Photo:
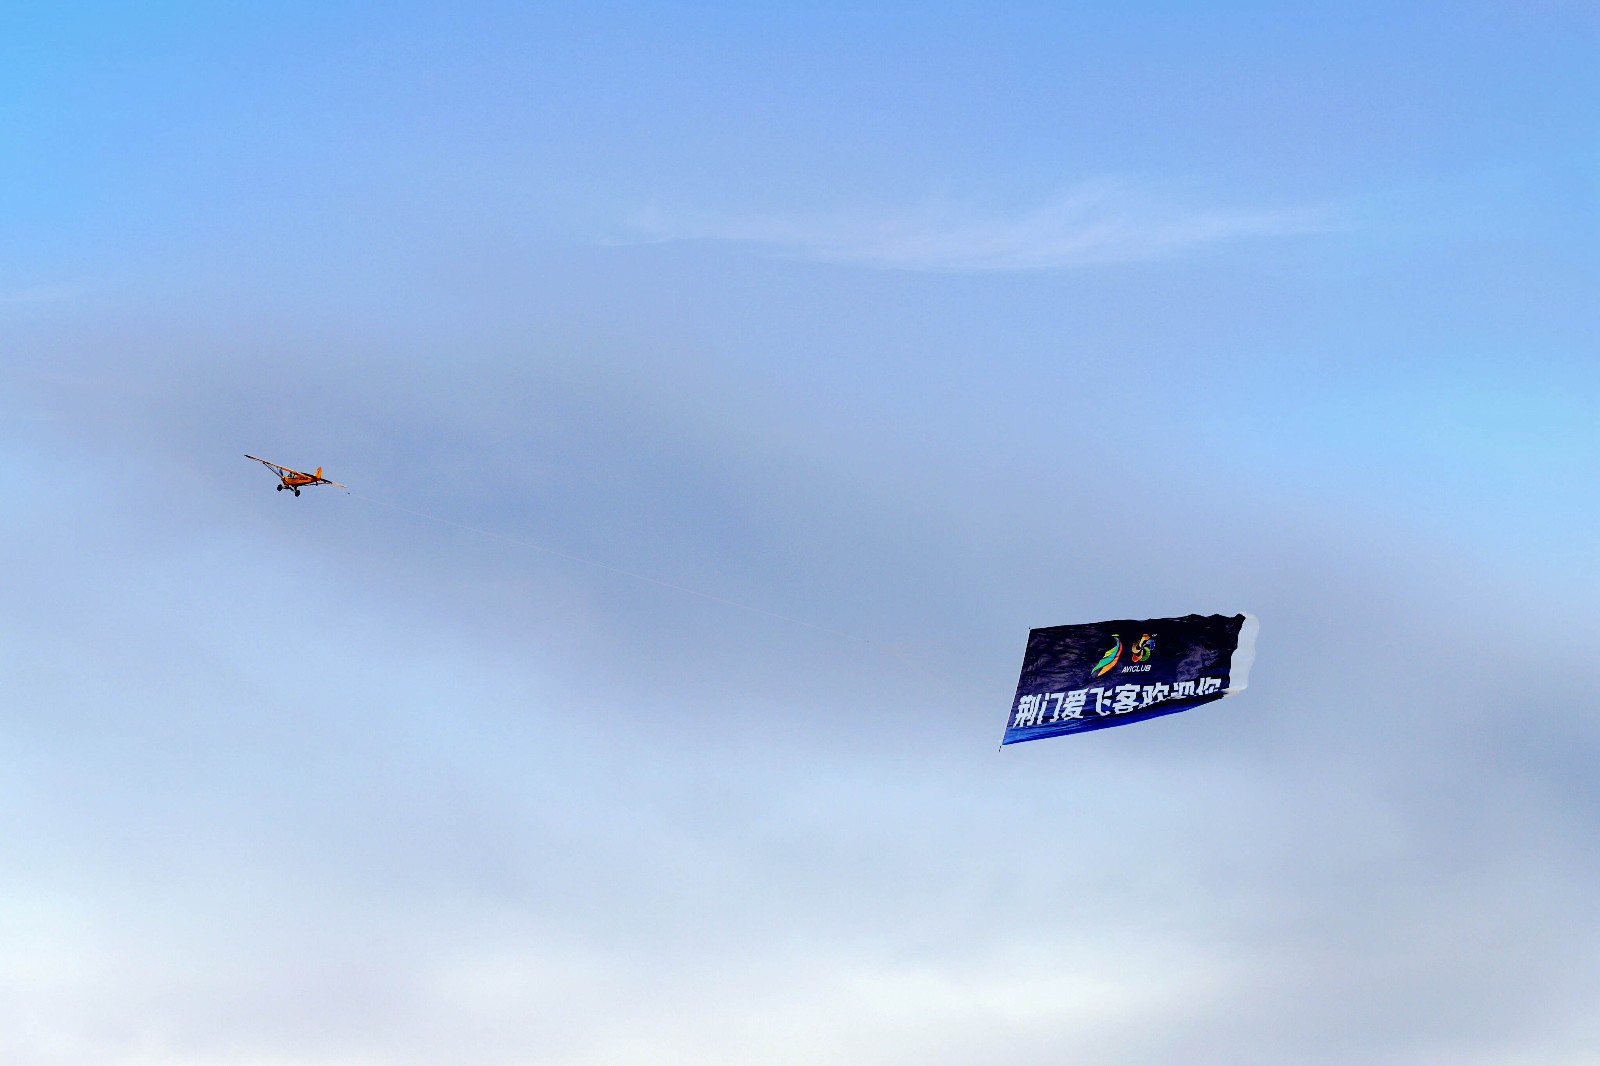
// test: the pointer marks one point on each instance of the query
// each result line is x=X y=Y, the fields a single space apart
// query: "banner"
x=1103 y=674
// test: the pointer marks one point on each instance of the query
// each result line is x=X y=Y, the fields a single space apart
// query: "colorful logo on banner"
x=1144 y=647
x=1109 y=659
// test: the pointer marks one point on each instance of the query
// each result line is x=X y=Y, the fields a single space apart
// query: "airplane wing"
x=325 y=481
x=282 y=471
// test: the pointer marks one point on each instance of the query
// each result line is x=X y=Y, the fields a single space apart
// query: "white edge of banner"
x=1244 y=654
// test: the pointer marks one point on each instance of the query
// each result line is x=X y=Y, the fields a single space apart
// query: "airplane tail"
x=319 y=472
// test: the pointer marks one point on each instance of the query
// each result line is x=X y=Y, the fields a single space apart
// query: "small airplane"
x=294 y=480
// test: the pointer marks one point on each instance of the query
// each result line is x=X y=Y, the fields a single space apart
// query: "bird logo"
x=1109 y=659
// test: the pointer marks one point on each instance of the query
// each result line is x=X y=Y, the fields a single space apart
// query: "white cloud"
x=1096 y=222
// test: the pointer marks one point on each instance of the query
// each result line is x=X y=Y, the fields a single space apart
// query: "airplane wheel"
x=280 y=488
x=297 y=492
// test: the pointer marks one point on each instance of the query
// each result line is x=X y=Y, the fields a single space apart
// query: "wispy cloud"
x=1095 y=222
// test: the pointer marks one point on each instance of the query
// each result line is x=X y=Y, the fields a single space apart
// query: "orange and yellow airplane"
x=294 y=480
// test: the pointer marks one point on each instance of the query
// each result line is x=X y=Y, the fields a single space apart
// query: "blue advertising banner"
x=1102 y=674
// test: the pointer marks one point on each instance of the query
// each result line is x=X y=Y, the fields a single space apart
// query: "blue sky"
x=909 y=326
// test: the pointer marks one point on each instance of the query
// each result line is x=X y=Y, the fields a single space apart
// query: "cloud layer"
x=1095 y=223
